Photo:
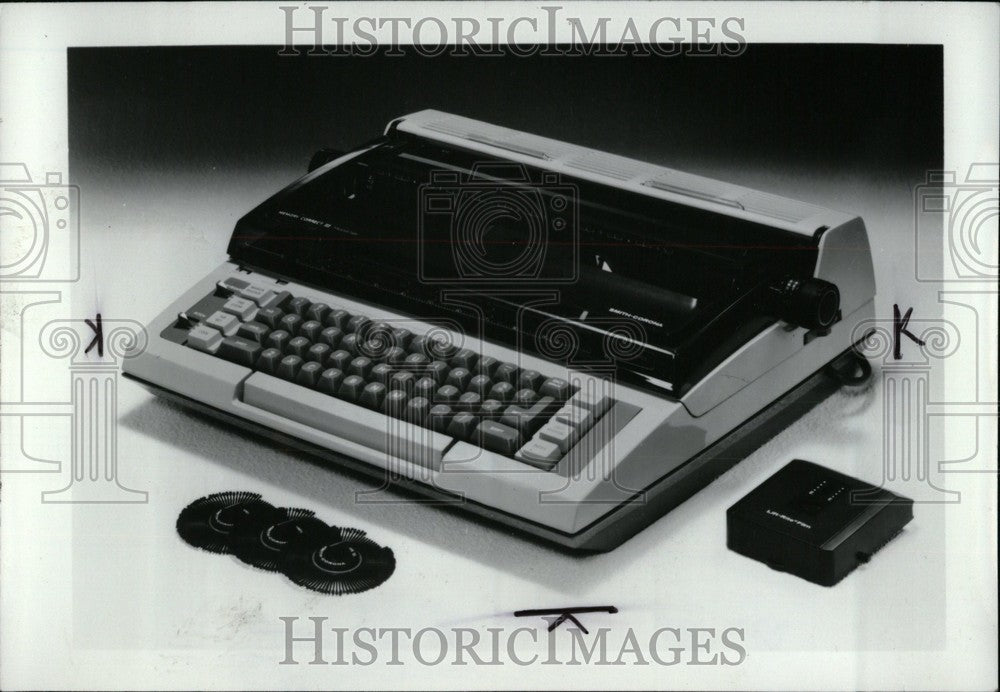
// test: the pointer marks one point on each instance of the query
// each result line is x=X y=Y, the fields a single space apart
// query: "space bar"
x=343 y=419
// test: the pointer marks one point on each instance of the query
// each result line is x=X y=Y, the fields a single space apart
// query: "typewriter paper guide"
x=665 y=267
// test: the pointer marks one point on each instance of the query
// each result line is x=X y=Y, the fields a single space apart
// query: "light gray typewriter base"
x=627 y=519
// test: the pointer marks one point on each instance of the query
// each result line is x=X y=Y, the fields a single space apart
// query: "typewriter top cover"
x=655 y=274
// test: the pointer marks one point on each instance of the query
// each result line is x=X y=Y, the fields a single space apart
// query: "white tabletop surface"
x=118 y=599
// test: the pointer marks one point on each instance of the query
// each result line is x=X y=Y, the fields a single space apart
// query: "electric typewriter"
x=558 y=339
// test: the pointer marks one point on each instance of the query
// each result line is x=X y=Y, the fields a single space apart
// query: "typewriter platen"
x=562 y=340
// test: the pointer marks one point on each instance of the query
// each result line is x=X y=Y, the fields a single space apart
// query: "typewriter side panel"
x=844 y=259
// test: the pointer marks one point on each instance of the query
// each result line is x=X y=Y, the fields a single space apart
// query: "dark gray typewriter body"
x=561 y=340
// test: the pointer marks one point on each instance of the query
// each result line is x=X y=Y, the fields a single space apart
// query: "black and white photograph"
x=443 y=345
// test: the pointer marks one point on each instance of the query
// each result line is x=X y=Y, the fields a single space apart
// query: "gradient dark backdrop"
x=172 y=145
x=849 y=109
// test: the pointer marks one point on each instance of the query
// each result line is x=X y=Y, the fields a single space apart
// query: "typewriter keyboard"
x=353 y=376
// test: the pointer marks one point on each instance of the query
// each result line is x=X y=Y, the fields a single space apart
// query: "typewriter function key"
x=338 y=318
x=297 y=306
x=204 y=339
x=276 y=300
x=339 y=359
x=291 y=323
x=298 y=346
x=241 y=307
x=309 y=374
x=331 y=336
x=330 y=380
x=278 y=339
x=318 y=353
x=311 y=330
x=506 y=372
x=575 y=417
x=559 y=434
x=381 y=373
x=464 y=358
x=224 y=322
x=270 y=316
x=288 y=368
x=498 y=437
x=373 y=395
x=254 y=331
x=231 y=285
x=351 y=387
x=317 y=312
x=462 y=425
x=268 y=360
x=258 y=294
x=540 y=453
x=596 y=403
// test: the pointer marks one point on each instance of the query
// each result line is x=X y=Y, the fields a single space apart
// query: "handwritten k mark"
x=98 y=339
